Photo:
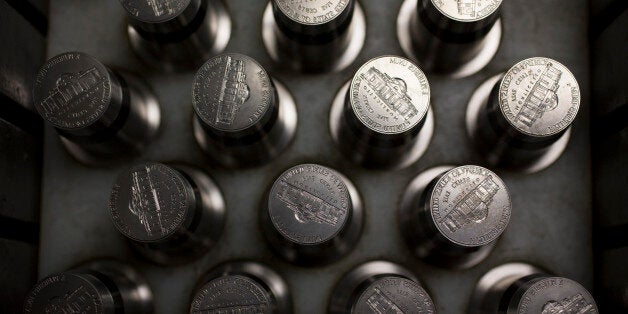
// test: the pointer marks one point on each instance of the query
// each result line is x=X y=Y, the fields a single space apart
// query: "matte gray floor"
x=551 y=221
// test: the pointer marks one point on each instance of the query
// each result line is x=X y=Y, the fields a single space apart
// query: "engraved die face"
x=394 y=294
x=539 y=97
x=309 y=204
x=467 y=10
x=232 y=294
x=389 y=95
x=232 y=92
x=312 y=12
x=72 y=90
x=64 y=293
x=556 y=295
x=154 y=11
x=149 y=202
x=470 y=205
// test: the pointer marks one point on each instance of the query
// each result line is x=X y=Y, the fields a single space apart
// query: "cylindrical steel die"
x=450 y=37
x=312 y=215
x=314 y=36
x=100 y=115
x=243 y=117
x=521 y=120
x=171 y=214
x=452 y=216
x=379 y=287
x=383 y=117
x=103 y=286
x=242 y=287
x=177 y=34
x=523 y=288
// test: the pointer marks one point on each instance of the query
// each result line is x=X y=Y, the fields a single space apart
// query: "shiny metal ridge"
x=101 y=115
x=170 y=213
x=521 y=120
x=175 y=35
x=451 y=217
x=383 y=117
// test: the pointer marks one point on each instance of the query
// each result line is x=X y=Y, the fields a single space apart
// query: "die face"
x=155 y=11
x=393 y=294
x=64 y=292
x=555 y=295
x=232 y=293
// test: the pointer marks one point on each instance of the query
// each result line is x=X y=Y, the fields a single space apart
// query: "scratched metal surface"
x=551 y=221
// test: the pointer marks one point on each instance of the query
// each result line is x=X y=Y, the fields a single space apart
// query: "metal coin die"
x=312 y=215
x=170 y=213
x=102 y=286
x=523 y=288
x=456 y=38
x=382 y=118
x=177 y=34
x=521 y=120
x=315 y=35
x=243 y=117
x=451 y=217
x=242 y=287
x=101 y=115
x=380 y=287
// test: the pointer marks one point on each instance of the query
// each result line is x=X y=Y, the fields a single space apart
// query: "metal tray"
x=551 y=220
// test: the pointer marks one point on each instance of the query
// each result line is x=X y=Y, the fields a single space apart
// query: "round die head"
x=467 y=10
x=64 y=293
x=309 y=204
x=155 y=11
x=394 y=294
x=72 y=90
x=232 y=92
x=539 y=97
x=389 y=95
x=232 y=294
x=470 y=206
x=149 y=202
x=556 y=295
x=313 y=12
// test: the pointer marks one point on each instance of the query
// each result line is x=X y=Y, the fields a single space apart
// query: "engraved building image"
x=473 y=206
x=391 y=91
x=467 y=7
x=574 y=305
x=70 y=86
x=144 y=202
x=542 y=97
x=233 y=91
x=307 y=206
x=75 y=301
x=381 y=304
x=161 y=7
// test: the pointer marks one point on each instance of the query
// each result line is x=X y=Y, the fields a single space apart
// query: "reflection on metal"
x=77 y=301
x=69 y=87
x=308 y=207
x=381 y=304
x=391 y=91
x=229 y=308
x=467 y=7
x=473 y=207
x=233 y=91
x=161 y=7
x=543 y=97
x=144 y=202
x=574 y=305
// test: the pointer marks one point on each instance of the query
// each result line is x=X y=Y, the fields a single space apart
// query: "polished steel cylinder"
x=177 y=34
x=100 y=115
x=522 y=288
x=170 y=213
x=242 y=287
x=450 y=37
x=521 y=120
x=103 y=286
x=383 y=118
x=451 y=217
x=314 y=35
x=380 y=287
x=312 y=215
x=243 y=117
